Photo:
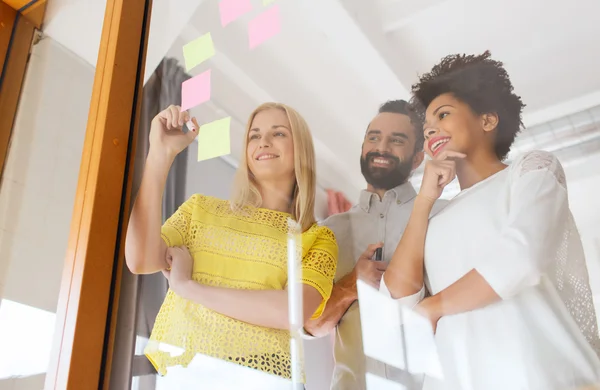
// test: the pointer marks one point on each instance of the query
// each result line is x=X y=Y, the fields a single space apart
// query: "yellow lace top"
x=243 y=251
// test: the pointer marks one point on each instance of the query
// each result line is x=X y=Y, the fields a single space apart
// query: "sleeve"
x=532 y=232
x=319 y=266
x=341 y=226
x=410 y=300
x=175 y=230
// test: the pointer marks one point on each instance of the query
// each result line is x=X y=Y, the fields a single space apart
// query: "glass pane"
x=344 y=66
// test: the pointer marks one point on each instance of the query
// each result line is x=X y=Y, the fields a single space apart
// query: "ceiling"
x=336 y=61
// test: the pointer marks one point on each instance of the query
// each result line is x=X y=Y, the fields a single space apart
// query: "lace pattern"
x=570 y=277
x=243 y=251
x=568 y=271
x=541 y=160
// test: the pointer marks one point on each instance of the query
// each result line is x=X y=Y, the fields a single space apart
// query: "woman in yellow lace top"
x=227 y=296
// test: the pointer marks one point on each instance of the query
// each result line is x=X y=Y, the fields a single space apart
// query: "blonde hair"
x=245 y=188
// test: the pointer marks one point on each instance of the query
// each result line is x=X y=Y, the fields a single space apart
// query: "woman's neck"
x=276 y=196
x=476 y=168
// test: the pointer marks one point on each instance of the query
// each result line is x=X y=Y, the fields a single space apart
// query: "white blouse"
x=515 y=228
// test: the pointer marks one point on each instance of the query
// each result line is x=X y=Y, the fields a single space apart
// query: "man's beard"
x=385 y=178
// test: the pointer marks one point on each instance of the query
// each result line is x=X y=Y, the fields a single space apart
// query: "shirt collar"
x=401 y=194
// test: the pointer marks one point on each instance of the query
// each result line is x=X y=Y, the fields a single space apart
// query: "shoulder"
x=538 y=161
x=320 y=239
x=321 y=233
x=206 y=202
x=438 y=206
x=338 y=220
x=339 y=223
x=197 y=198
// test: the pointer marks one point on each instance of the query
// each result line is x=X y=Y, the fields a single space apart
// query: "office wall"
x=37 y=193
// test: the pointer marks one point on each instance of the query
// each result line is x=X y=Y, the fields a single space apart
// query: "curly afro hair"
x=481 y=83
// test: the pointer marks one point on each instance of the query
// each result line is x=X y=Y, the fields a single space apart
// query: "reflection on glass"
x=227 y=261
x=26 y=339
x=336 y=64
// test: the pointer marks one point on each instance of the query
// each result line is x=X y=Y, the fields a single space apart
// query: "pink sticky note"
x=195 y=91
x=264 y=26
x=232 y=9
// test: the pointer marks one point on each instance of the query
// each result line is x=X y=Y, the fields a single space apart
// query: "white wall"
x=36 y=201
x=40 y=178
x=63 y=17
x=34 y=382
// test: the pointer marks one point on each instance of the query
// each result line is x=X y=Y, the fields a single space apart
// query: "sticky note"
x=195 y=91
x=198 y=51
x=264 y=26
x=231 y=10
x=267 y=2
x=214 y=139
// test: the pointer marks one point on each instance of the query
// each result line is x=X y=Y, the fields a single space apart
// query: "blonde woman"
x=227 y=296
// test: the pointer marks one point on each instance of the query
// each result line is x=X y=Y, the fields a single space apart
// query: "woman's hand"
x=429 y=308
x=439 y=172
x=179 y=274
x=166 y=135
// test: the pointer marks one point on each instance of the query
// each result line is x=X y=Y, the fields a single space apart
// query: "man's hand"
x=344 y=292
x=367 y=270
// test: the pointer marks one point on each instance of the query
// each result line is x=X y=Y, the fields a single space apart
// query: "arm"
x=468 y=293
x=404 y=275
x=530 y=238
x=268 y=308
x=145 y=250
x=342 y=296
x=344 y=292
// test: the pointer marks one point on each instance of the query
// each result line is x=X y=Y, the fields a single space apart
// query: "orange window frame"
x=87 y=306
x=16 y=35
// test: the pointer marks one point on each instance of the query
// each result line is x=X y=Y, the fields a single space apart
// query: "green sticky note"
x=267 y=2
x=198 y=51
x=214 y=139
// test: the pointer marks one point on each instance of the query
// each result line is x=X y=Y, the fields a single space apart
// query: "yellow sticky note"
x=267 y=2
x=214 y=139
x=198 y=51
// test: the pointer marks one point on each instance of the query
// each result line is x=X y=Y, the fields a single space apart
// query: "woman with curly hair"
x=510 y=299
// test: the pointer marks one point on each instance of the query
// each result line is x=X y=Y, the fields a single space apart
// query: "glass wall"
x=218 y=317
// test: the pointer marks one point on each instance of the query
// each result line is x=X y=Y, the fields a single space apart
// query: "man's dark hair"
x=404 y=108
x=481 y=83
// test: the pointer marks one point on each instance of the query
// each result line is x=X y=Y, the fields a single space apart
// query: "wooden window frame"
x=87 y=305
x=16 y=36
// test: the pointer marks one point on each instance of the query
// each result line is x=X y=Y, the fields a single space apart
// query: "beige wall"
x=37 y=193
x=34 y=382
